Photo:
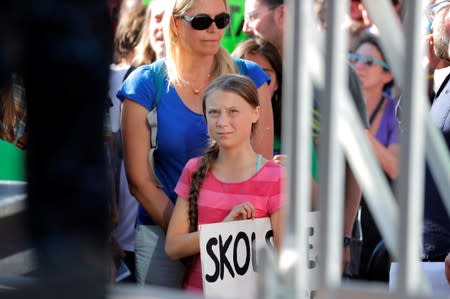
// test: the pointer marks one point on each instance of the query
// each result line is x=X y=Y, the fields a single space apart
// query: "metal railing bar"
x=410 y=183
x=330 y=154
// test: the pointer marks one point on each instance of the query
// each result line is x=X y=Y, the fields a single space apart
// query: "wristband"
x=347 y=241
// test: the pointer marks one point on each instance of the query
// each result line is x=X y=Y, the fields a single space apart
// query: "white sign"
x=230 y=256
x=228 y=253
x=434 y=271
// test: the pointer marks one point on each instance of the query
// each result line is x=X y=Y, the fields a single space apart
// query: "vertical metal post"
x=296 y=141
x=410 y=184
x=330 y=153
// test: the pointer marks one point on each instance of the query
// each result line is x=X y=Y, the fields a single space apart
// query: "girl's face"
x=372 y=75
x=267 y=67
x=230 y=119
x=201 y=42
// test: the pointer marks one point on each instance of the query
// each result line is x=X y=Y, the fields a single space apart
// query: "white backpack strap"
x=151 y=163
x=152 y=120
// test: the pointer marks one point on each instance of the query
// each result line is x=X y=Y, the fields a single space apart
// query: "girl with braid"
x=230 y=181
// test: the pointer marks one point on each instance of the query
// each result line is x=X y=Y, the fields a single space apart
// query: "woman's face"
x=201 y=42
x=264 y=63
x=229 y=118
x=356 y=11
x=371 y=74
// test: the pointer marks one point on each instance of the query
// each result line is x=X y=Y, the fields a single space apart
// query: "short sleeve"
x=185 y=180
x=253 y=71
x=394 y=127
x=138 y=87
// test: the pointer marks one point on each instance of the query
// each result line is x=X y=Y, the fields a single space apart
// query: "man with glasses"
x=436 y=237
x=264 y=19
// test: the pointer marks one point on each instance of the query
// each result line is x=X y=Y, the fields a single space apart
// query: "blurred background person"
x=127 y=36
x=268 y=58
x=436 y=235
x=151 y=45
x=265 y=19
x=13 y=112
x=374 y=72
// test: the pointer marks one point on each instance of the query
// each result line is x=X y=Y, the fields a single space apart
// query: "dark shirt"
x=436 y=237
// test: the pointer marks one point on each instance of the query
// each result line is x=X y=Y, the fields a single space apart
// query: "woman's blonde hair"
x=224 y=64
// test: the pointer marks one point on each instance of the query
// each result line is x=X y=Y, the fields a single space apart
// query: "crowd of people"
x=193 y=132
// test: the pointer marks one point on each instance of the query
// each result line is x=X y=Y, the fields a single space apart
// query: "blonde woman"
x=193 y=30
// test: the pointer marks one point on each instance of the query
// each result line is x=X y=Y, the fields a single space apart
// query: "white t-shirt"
x=115 y=80
x=124 y=232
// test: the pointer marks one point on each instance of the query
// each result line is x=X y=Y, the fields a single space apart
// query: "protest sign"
x=230 y=255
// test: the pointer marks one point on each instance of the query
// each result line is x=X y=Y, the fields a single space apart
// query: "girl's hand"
x=242 y=211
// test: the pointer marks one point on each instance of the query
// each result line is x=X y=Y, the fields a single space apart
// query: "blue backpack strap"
x=159 y=77
x=242 y=67
x=160 y=81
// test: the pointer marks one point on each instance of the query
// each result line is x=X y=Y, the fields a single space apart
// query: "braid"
x=197 y=180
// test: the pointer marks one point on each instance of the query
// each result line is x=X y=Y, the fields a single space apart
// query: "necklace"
x=196 y=91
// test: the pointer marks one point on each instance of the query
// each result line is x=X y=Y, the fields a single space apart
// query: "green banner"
x=12 y=162
x=234 y=34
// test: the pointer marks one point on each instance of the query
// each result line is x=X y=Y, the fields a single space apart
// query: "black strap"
x=441 y=88
x=129 y=71
x=377 y=109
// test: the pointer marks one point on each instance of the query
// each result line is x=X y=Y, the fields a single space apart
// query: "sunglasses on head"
x=203 y=21
x=368 y=61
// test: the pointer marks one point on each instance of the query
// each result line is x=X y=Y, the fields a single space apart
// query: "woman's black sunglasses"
x=203 y=21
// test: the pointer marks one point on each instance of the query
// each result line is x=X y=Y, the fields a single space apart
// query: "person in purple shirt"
x=383 y=133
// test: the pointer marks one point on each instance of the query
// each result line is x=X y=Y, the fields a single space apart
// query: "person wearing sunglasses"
x=194 y=57
x=383 y=133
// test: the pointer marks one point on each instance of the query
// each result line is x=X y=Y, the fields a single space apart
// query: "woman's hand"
x=242 y=211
